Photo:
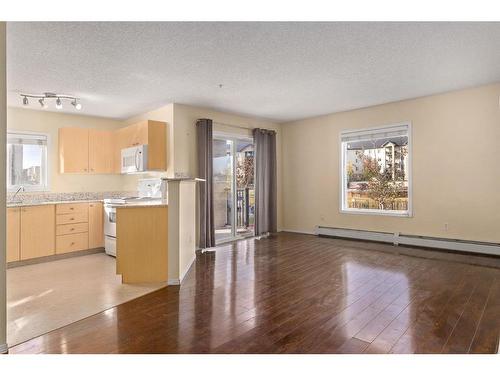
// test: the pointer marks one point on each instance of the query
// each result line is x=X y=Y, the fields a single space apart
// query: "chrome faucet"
x=21 y=188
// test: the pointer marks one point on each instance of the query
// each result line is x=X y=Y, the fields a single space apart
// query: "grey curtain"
x=206 y=216
x=266 y=212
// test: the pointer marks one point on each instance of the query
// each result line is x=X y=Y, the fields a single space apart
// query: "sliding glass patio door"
x=234 y=191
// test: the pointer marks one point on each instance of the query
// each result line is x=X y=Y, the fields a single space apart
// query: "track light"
x=45 y=98
x=77 y=105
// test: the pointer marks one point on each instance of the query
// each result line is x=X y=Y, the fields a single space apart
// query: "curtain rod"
x=232 y=126
x=242 y=127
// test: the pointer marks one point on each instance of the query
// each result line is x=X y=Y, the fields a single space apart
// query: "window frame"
x=28 y=188
x=342 y=173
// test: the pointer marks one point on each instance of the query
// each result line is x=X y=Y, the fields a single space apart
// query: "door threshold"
x=234 y=239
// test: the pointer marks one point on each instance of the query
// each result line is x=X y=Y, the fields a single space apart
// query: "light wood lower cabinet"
x=80 y=226
x=71 y=208
x=37 y=231
x=77 y=217
x=13 y=234
x=72 y=242
x=72 y=228
x=96 y=225
x=70 y=218
x=142 y=244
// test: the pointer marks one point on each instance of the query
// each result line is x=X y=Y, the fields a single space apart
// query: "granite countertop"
x=25 y=199
x=43 y=203
x=158 y=203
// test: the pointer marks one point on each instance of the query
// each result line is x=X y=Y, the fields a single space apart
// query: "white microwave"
x=134 y=159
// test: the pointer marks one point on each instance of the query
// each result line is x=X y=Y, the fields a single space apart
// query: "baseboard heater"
x=411 y=240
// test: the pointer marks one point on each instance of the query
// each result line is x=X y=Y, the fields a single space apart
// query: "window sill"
x=26 y=190
x=406 y=214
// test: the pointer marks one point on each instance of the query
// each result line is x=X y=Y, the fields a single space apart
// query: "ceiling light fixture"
x=45 y=98
x=77 y=105
x=43 y=104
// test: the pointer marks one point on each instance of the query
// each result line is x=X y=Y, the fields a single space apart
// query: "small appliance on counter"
x=150 y=190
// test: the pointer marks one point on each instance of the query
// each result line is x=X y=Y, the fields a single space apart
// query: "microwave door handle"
x=137 y=160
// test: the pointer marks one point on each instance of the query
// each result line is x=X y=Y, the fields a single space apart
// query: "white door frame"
x=233 y=138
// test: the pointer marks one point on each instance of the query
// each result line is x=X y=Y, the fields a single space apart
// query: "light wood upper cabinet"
x=38 y=231
x=73 y=150
x=157 y=142
x=99 y=151
x=147 y=132
x=101 y=147
x=13 y=234
x=96 y=225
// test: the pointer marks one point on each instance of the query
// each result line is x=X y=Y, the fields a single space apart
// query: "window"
x=376 y=171
x=27 y=161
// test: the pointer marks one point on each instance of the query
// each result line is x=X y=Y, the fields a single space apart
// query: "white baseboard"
x=421 y=241
x=299 y=231
x=184 y=273
x=4 y=348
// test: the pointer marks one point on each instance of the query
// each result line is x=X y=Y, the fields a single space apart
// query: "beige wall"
x=185 y=153
x=3 y=126
x=50 y=122
x=181 y=142
x=456 y=173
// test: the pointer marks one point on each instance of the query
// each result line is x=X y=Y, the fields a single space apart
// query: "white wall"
x=3 y=244
x=456 y=177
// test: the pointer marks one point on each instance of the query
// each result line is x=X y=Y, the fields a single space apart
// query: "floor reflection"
x=300 y=294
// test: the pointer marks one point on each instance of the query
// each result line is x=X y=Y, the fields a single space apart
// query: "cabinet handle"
x=72 y=218
x=72 y=208
x=72 y=243
x=72 y=229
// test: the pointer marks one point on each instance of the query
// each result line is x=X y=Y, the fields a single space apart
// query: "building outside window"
x=27 y=164
x=376 y=170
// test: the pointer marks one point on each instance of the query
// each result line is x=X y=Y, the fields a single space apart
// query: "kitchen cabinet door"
x=139 y=134
x=73 y=150
x=96 y=225
x=37 y=231
x=157 y=145
x=13 y=234
x=101 y=151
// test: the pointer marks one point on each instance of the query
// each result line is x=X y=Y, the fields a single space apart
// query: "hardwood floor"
x=300 y=294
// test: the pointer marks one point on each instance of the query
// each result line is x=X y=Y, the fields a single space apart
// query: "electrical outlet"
x=446 y=227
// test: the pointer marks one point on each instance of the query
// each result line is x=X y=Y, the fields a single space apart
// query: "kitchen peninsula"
x=142 y=242
x=155 y=240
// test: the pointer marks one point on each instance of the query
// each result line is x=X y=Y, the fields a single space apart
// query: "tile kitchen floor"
x=46 y=296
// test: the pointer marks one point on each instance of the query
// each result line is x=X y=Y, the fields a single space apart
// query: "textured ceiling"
x=279 y=71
